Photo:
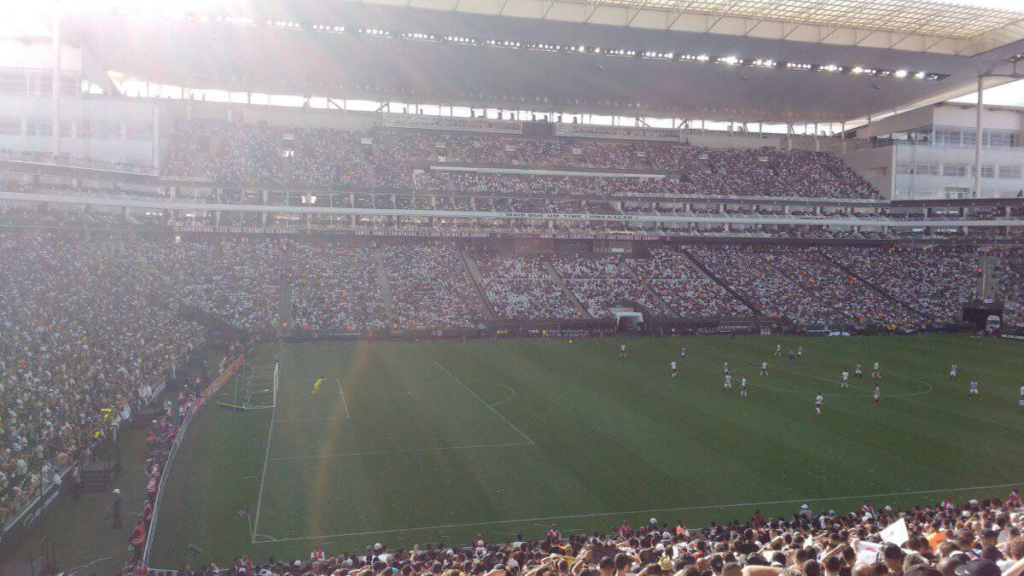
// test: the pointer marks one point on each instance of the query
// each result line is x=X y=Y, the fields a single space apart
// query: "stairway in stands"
x=704 y=270
x=666 y=310
x=569 y=295
x=384 y=284
x=875 y=287
x=477 y=278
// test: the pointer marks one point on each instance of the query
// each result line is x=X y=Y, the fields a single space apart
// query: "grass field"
x=438 y=441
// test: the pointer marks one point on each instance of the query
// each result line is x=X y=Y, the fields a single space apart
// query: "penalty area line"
x=484 y=402
x=409 y=451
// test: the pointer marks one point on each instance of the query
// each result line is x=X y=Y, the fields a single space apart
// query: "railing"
x=209 y=393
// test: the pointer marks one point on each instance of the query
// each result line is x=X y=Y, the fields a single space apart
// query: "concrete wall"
x=131 y=122
x=876 y=165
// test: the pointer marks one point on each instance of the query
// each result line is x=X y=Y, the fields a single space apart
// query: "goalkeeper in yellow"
x=316 y=386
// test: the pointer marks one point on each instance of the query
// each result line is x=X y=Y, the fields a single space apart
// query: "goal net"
x=256 y=386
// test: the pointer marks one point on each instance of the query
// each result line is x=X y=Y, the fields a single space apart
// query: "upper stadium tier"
x=261 y=155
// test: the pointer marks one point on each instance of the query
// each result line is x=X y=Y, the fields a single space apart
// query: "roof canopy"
x=538 y=57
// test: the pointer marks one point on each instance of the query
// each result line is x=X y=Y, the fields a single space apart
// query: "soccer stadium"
x=512 y=287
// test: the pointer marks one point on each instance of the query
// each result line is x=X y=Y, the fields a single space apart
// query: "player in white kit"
x=682 y=353
x=778 y=350
x=818 y=403
x=675 y=369
x=846 y=380
x=1021 y=402
x=728 y=383
x=622 y=351
x=952 y=372
x=725 y=368
x=858 y=372
x=876 y=372
x=764 y=368
x=800 y=352
x=878 y=394
x=974 y=393
x=743 y=388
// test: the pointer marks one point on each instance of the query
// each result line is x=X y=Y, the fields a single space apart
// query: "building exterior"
x=929 y=153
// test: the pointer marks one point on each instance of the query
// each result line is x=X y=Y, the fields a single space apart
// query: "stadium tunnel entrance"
x=627 y=320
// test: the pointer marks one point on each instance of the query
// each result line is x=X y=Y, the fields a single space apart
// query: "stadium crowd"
x=935 y=283
x=970 y=538
x=430 y=287
x=1009 y=275
x=685 y=289
x=335 y=288
x=83 y=334
x=759 y=276
x=520 y=287
x=602 y=282
x=395 y=159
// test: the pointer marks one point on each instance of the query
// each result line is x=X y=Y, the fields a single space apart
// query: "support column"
x=977 y=137
x=55 y=82
x=156 y=136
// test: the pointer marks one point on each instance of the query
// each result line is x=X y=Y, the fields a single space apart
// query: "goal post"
x=260 y=386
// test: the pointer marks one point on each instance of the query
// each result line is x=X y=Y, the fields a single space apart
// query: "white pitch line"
x=263 y=477
x=499 y=403
x=312 y=419
x=482 y=401
x=654 y=510
x=410 y=451
x=343 y=400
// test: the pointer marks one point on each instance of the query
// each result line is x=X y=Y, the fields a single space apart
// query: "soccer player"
x=858 y=372
x=743 y=388
x=622 y=351
x=952 y=372
x=1021 y=402
x=878 y=394
x=675 y=369
x=725 y=368
x=800 y=352
x=316 y=386
x=792 y=354
x=876 y=372
x=728 y=383
x=682 y=353
x=974 y=393
x=778 y=350
x=764 y=368
x=846 y=380
x=818 y=403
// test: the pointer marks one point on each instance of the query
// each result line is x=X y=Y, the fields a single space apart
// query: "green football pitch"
x=426 y=442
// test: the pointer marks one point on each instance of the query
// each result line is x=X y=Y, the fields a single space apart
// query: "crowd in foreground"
x=972 y=538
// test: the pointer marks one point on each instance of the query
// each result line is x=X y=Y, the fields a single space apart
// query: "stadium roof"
x=908 y=16
x=942 y=27
x=751 y=60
